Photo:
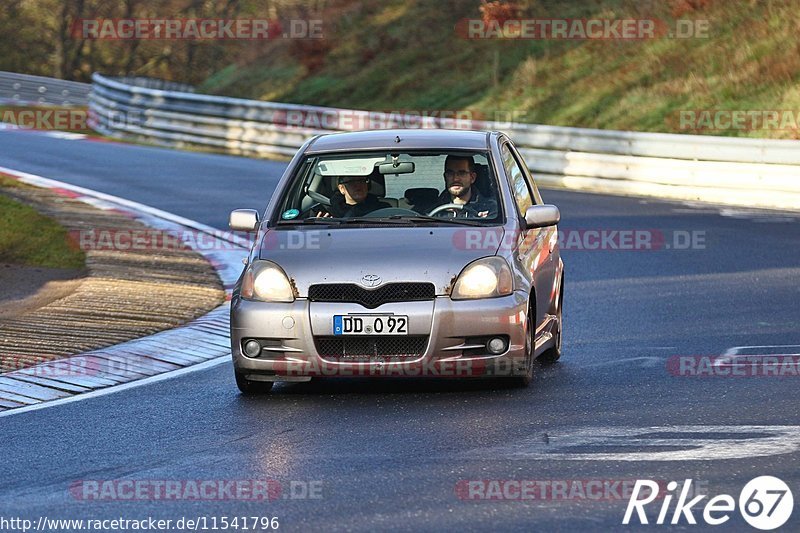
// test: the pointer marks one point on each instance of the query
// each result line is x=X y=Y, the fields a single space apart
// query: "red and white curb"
x=201 y=343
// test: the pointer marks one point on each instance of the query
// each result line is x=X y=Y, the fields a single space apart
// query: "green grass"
x=7 y=182
x=404 y=54
x=29 y=238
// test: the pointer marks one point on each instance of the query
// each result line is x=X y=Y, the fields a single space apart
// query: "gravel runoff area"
x=126 y=293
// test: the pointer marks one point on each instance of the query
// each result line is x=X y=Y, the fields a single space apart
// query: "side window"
x=537 y=198
x=519 y=185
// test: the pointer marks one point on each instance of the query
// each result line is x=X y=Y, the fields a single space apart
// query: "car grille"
x=367 y=347
x=372 y=298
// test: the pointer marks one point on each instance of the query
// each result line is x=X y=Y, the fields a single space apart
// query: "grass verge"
x=407 y=55
x=32 y=239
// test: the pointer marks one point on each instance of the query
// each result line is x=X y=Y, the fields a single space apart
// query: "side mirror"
x=243 y=220
x=540 y=216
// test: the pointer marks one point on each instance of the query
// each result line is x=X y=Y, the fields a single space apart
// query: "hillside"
x=407 y=55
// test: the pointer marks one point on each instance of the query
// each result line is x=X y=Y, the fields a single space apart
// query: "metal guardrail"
x=155 y=83
x=754 y=172
x=25 y=89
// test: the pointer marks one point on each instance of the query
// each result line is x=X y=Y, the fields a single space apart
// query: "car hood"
x=311 y=256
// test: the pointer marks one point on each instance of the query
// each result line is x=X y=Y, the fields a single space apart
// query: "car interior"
x=413 y=198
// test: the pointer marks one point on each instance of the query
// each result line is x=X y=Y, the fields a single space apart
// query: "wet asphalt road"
x=397 y=454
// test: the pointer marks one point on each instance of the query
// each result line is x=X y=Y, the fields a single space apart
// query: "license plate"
x=370 y=325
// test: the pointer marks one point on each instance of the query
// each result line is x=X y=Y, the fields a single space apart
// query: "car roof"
x=409 y=139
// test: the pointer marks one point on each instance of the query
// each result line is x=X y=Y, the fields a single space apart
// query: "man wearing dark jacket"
x=459 y=178
x=353 y=198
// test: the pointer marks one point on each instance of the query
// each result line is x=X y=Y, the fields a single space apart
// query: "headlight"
x=484 y=278
x=266 y=281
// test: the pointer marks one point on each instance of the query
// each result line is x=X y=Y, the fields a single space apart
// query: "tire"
x=525 y=379
x=252 y=388
x=551 y=355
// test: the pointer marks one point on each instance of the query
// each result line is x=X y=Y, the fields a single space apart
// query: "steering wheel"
x=445 y=207
x=314 y=208
x=320 y=198
x=321 y=203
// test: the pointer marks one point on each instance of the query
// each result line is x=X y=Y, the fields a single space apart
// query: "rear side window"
x=519 y=185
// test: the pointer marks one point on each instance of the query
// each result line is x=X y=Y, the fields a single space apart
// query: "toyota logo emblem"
x=371 y=280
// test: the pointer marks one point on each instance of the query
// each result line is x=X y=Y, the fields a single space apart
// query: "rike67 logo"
x=765 y=503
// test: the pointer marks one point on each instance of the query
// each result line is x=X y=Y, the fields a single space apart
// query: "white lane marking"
x=66 y=135
x=119 y=388
x=755 y=215
x=659 y=347
x=704 y=210
x=745 y=352
x=764 y=349
x=764 y=215
x=696 y=443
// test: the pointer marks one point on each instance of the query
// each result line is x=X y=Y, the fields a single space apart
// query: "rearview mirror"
x=243 y=220
x=404 y=167
x=540 y=216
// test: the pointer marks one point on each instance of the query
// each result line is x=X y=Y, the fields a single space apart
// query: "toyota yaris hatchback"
x=399 y=253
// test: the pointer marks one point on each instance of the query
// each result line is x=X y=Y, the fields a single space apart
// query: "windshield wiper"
x=437 y=220
x=327 y=221
x=394 y=219
x=372 y=220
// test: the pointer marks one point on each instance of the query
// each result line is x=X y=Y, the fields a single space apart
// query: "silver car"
x=399 y=253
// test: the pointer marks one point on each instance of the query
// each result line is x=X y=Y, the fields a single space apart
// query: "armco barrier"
x=744 y=172
x=21 y=89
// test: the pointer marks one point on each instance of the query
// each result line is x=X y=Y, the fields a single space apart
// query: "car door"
x=535 y=252
x=552 y=266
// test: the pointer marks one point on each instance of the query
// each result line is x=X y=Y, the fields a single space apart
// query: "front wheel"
x=250 y=387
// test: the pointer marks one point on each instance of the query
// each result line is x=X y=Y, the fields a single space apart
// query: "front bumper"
x=291 y=333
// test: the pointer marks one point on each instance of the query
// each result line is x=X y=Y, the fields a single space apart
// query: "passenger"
x=459 y=178
x=353 y=198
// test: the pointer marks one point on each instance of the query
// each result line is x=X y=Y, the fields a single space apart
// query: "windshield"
x=426 y=188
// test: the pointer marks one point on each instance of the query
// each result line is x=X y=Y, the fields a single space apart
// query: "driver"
x=353 y=198
x=459 y=177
